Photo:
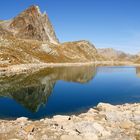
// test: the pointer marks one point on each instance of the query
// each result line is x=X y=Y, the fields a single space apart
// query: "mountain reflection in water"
x=67 y=90
x=33 y=90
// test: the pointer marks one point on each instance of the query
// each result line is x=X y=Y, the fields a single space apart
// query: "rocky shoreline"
x=104 y=122
x=24 y=68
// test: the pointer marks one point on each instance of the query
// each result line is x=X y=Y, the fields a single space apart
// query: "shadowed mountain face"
x=33 y=90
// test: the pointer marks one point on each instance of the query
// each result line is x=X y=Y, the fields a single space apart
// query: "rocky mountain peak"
x=32 y=24
x=34 y=9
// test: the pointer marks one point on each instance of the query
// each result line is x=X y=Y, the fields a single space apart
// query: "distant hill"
x=115 y=55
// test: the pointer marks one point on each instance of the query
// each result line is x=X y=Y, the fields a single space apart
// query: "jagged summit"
x=31 y=24
x=34 y=8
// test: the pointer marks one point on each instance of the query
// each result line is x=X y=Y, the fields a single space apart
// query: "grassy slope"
x=17 y=51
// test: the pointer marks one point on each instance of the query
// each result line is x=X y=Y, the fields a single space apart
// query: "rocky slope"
x=30 y=38
x=115 y=55
x=104 y=122
x=24 y=52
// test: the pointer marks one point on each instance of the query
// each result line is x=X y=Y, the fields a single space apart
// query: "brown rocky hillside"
x=30 y=38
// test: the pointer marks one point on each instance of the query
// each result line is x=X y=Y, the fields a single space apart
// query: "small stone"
x=29 y=128
x=89 y=136
x=21 y=119
x=31 y=137
x=92 y=111
x=104 y=107
x=137 y=127
x=137 y=112
x=70 y=137
x=46 y=120
x=126 y=124
x=13 y=139
x=44 y=137
x=41 y=120
x=60 y=118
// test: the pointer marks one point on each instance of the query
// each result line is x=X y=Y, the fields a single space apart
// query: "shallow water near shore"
x=67 y=90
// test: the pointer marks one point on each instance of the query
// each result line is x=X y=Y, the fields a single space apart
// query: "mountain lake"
x=67 y=90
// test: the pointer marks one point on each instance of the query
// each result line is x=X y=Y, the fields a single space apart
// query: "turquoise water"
x=67 y=90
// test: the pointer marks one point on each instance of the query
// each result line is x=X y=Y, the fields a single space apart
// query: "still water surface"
x=67 y=90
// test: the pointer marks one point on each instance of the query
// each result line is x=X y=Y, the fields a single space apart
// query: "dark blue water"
x=67 y=90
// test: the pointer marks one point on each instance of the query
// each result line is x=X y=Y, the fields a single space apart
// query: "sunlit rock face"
x=33 y=90
x=79 y=51
x=31 y=24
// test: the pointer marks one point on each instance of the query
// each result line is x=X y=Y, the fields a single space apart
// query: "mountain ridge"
x=113 y=54
x=29 y=38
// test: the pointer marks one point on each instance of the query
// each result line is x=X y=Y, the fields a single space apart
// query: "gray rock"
x=70 y=137
x=21 y=119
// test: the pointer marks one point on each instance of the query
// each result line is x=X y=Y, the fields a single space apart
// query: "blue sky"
x=105 y=23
